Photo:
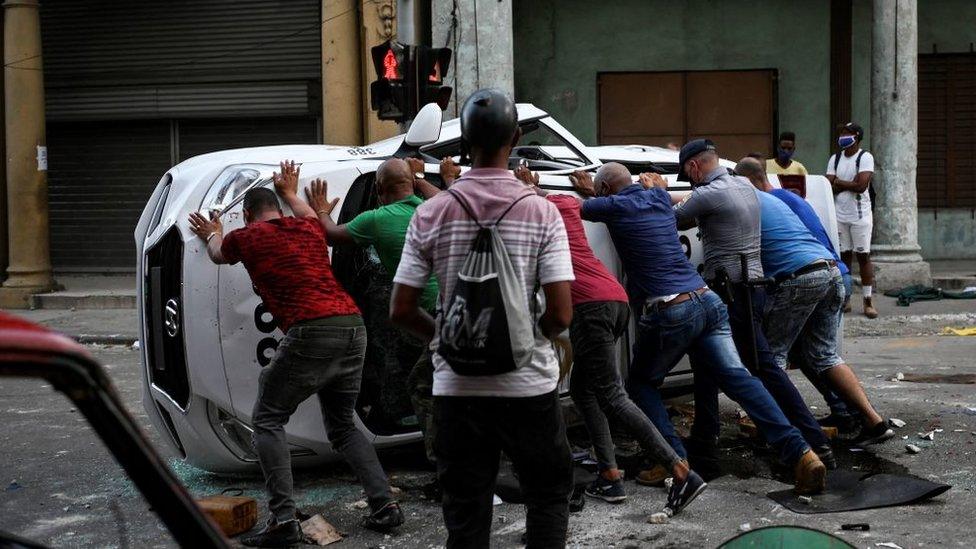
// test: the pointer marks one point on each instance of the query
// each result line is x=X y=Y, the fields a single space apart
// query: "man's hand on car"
x=286 y=182
x=206 y=228
x=650 y=180
x=527 y=176
x=450 y=171
x=416 y=165
x=317 y=193
x=582 y=183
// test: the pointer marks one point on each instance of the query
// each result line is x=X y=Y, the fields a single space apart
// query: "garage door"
x=658 y=108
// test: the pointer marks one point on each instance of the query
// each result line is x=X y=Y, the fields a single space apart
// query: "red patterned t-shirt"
x=288 y=261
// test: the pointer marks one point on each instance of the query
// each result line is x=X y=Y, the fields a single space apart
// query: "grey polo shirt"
x=727 y=210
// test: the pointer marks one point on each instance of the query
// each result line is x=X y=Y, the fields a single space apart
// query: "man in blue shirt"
x=679 y=315
x=803 y=306
x=726 y=210
x=842 y=417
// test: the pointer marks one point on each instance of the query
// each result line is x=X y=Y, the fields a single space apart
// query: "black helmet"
x=488 y=119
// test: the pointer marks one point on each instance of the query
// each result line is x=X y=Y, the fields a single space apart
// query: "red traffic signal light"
x=389 y=59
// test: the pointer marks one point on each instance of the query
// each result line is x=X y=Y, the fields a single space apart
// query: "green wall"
x=560 y=45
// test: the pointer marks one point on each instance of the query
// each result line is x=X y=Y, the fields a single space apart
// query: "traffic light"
x=432 y=65
x=407 y=78
x=389 y=93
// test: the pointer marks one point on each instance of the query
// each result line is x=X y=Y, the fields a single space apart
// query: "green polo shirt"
x=385 y=228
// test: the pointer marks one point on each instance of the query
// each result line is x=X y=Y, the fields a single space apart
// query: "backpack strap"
x=467 y=208
x=857 y=163
x=510 y=206
x=837 y=161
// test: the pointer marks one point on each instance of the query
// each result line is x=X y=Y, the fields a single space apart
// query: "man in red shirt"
x=601 y=314
x=322 y=354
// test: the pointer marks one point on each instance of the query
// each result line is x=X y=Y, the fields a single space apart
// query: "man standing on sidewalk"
x=600 y=316
x=679 y=316
x=726 y=209
x=850 y=171
x=783 y=163
x=321 y=354
x=516 y=410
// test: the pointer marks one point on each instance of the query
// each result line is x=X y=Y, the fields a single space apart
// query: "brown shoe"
x=848 y=307
x=653 y=477
x=811 y=474
x=869 y=310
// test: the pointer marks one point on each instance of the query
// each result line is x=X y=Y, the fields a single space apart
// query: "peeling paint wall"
x=561 y=45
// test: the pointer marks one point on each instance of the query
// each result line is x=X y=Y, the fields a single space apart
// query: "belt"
x=681 y=298
x=818 y=265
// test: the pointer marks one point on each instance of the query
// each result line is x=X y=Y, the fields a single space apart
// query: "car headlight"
x=231 y=184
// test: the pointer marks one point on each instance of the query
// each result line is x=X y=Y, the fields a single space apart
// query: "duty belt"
x=818 y=265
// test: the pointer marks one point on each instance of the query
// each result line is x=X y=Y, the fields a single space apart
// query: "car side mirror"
x=426 y=126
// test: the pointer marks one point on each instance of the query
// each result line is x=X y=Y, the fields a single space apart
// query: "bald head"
x=614 y=175
x=753 y=170
x=394 y=181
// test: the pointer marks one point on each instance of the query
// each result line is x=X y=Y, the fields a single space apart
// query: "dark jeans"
x=597 y=389
x=321 y=360
x=420 y=383
x=700 y=328
x=774 y=378
x=471 y=434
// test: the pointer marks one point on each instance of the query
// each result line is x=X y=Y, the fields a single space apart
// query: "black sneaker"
x=385 y=519
x=826 y=455
x=681 y=494
x=276 y=534
x=876 y=434
x=846 y=424
x=608 y=490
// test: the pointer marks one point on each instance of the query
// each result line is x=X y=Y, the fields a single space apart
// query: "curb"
x=105 y=339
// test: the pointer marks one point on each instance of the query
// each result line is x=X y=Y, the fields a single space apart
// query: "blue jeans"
x=699 y=327
x=834 y=402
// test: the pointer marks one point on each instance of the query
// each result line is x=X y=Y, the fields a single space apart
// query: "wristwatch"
x=419 y=175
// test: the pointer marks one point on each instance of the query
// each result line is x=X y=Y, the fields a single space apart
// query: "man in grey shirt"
x=726 y=209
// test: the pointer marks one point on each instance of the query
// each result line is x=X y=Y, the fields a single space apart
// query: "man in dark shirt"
x=726 y=209
x=679 y=315
x=600 y=318
x=321 y=354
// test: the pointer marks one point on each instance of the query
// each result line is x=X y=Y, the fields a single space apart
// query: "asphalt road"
x=63 y=489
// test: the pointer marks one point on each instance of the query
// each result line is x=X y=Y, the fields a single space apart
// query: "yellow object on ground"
x=969 y=331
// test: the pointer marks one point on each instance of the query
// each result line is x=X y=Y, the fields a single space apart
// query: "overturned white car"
x=206 y=335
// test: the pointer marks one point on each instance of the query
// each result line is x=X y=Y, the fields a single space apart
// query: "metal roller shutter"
x=152 y=59
x=99 y=178
x=203 y=136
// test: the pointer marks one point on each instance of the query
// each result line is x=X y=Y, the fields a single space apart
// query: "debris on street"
x=912 y=449
x=320 y=531
x=897 y=423
x=658 y=518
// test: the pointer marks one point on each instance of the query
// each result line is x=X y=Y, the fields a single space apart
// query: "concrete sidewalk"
x=108 y=327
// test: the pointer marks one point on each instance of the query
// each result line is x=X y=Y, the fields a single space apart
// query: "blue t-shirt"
x=645 y=233
x=787 y=245
x=805 y=212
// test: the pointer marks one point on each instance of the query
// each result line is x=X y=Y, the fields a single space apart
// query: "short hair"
x=787 y=136
x=749 y=167
x=260 y=199
x=756 y=155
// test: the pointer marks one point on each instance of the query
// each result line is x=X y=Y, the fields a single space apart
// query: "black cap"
x=488 y=119
x=851 y=127
x=692 y=148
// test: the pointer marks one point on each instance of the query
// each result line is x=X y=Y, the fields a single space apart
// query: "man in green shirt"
x=385 y=228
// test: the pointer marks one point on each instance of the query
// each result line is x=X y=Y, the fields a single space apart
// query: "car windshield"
x=540 y=148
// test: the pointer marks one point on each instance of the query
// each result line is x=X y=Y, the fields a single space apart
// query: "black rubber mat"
x=507 y=485
x=851 y=491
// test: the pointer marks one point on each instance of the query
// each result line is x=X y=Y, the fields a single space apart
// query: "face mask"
x=784 y=155
x=845 y=141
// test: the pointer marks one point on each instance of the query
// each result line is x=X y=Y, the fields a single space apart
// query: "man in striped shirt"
x=477 y=417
